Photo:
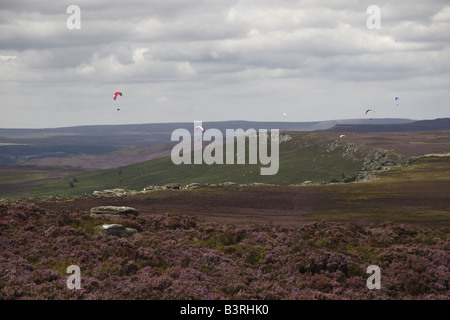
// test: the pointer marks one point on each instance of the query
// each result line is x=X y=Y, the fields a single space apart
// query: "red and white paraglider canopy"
x=199 y=127
x=117 y=94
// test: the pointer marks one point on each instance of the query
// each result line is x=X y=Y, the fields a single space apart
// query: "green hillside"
x=303 y=157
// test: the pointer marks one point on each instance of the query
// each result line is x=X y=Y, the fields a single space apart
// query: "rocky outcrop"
x=114 y=230
x=378 y=161
x=152 y=188
x=192 y=185
x=227 y=184
x=285 y=137
x=112 y=211
x=110 y=193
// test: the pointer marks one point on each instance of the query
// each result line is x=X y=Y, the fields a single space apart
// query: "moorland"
x=337 y=206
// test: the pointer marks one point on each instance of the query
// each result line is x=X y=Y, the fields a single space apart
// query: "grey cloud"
x=193 y=52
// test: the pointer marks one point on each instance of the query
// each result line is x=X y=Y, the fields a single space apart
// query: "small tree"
x=71 y=185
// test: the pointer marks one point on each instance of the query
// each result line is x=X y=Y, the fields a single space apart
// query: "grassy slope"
x=306 y=157
x=16 y=180
x=418 y=193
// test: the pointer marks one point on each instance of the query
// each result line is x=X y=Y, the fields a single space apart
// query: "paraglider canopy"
x=117 y=94
x=369 y=110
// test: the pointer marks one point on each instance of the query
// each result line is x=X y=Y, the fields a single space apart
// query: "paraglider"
x=200 y=127
x=284 y=115
x=342 y=136
x=397 y=99
x=117 y=94
x=369 y=110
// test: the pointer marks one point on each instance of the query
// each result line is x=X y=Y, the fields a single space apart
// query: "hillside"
x=319 y=156
x=304 y=156
x=416 y=194
x=119 y=158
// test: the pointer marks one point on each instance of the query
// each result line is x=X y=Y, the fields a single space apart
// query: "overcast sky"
x=214 y=60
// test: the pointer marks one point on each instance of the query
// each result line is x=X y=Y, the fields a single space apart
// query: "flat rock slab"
x=114 y=230
x=112 y=211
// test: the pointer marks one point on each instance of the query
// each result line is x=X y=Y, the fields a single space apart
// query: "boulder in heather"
x=102 y=211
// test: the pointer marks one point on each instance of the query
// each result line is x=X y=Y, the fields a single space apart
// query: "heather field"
x=177 y=256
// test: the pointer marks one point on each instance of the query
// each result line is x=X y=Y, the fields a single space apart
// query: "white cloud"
x=138 y=54
x=442 y=16
x=7 y=58
x=185 y=69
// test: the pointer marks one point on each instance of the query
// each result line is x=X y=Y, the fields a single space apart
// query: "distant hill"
x=422 y=125
x=142 y=134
